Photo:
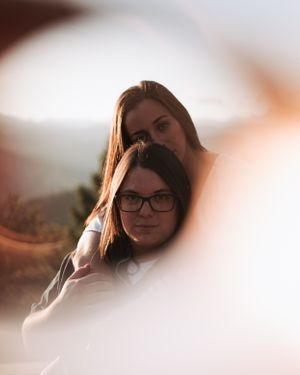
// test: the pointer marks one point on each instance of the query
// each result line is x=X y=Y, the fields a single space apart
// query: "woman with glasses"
x=147 y=202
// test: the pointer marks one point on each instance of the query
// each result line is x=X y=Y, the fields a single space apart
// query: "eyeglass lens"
x=158 y=202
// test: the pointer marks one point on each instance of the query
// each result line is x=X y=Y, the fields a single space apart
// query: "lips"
x=145 y=227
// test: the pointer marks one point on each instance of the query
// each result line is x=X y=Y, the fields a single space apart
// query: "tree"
x=86 y=197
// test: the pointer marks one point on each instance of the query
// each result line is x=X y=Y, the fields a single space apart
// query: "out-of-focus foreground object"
x=18 y=18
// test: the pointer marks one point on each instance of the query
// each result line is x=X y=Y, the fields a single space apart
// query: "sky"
x=76 y=70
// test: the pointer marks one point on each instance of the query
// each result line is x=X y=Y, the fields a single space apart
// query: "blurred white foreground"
x=225 y=299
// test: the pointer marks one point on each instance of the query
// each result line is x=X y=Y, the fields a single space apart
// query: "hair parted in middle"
x=114 y=244
x=119 y=140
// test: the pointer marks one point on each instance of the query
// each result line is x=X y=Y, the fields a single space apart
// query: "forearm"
x=62 y=324
x=51 y=331
x=41 y=330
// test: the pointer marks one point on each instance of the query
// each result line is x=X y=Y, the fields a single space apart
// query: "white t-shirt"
x=137 y=270
x=95 y=225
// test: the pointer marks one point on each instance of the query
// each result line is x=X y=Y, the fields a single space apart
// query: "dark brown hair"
x=114 y=244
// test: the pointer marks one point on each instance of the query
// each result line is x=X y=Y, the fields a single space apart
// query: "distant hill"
x=56 y=208
x=55 y=142
x=46 y=159
x=30 y=178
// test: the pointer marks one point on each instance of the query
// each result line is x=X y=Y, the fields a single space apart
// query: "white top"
x=137 y=270
x=95 y=225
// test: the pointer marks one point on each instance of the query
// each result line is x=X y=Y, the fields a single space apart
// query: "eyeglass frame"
x=143 y=200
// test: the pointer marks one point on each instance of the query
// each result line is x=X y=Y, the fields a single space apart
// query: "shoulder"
x=222 y=170
x=223 y=186
x=65 y=270
x=95 y=225
x=226 y=163
x=229 y=175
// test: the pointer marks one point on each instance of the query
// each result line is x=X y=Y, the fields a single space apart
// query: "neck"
x=143 y=257
x=192 y=163
x=142 y=254
x=198 y=164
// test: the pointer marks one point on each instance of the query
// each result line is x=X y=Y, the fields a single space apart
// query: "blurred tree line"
x=87 y=197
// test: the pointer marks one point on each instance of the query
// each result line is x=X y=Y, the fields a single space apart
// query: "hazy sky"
x=78 y=69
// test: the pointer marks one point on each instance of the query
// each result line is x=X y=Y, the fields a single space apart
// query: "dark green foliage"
x=87 y=197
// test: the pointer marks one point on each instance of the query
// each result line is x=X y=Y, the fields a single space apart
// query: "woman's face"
x=146 y=228
x=151 y=121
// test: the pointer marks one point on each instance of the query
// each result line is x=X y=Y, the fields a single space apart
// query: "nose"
x=155 y=138
x=146 y=209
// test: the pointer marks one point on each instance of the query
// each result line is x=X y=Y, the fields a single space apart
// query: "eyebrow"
x=153 y=122
x=160 y=191
x=158 y=119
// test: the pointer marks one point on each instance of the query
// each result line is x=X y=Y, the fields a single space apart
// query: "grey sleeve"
x=52 y=291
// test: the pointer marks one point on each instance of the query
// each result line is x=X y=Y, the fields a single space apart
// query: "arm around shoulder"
x=42 y=322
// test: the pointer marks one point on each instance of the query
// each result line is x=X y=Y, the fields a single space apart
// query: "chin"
x=147 y=246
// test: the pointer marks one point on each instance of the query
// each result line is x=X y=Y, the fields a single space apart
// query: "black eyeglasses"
x=158 y=202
